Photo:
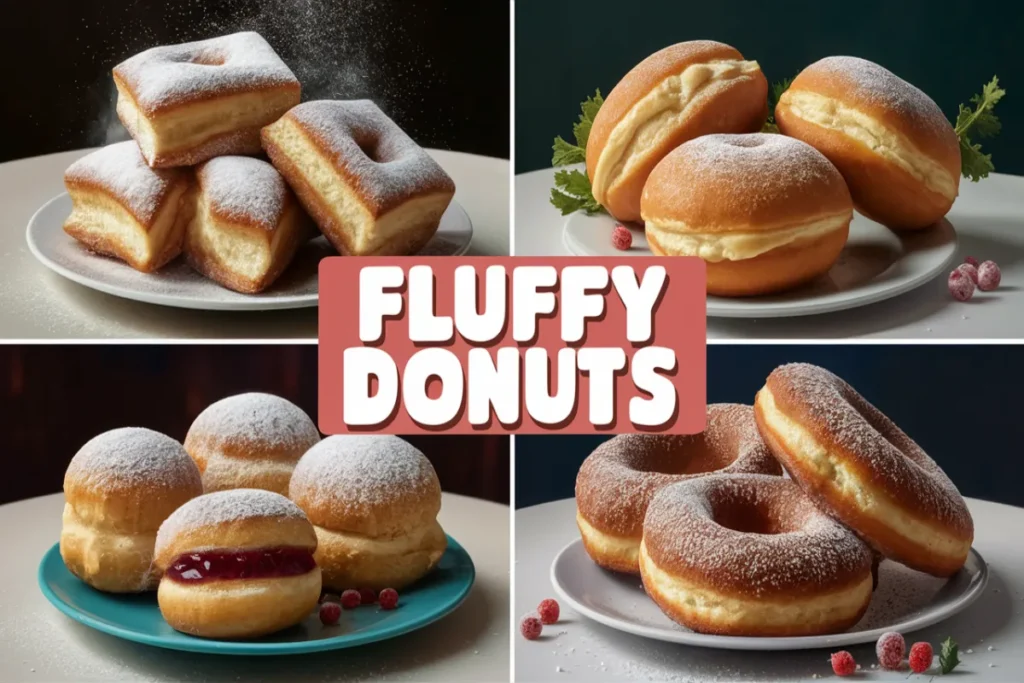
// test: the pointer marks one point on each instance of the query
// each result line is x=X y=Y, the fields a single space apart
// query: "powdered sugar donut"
x=862 y=469
x=119 y=488
x=750 y=555
x=617 y=481
x=250 y=441
x=373 y=501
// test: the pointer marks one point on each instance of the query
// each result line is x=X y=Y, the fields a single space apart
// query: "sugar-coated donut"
x=765 y=212
x=373 y=501
x=121 y=207
x=677 y=94
x=750 y=555
x=861 y=468
x=184 y=104
x=118 y=490
x=250 y=441
x=372 y=190
x=899 y=154
x=237 y=564
x=617 y=481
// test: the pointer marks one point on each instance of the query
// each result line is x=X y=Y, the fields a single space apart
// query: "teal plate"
x=137 y=617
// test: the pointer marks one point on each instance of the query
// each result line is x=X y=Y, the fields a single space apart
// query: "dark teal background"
x=564 y=50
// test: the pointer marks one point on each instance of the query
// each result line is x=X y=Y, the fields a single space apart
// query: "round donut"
x=899 y=154
x=373 y=501
x=617 y=481
x=861 y=468
x=237 y=564
x=765 y=212
x=118 y=489
x=677 y=94
x=250 y=441
x=750 y=555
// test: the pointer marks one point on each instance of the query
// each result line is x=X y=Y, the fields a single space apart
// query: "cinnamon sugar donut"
x=750 y=555
x=616 y=482
x=862 y=469
x=765 y=212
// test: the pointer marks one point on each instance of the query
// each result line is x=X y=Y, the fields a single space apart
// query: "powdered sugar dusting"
x=122 y=171
x=244 y=189
x=257 y=419
x=131 y=456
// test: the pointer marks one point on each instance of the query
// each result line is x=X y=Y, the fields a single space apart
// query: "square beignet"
x=368 y=185
x=123 y=208
x=246 y=226
x=187 y=103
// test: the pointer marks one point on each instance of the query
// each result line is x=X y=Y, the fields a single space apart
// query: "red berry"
x=622 y=238
x=960 y=285
x=329 y=597
x=330 y=612
x=843 y=664
x=970 y=271
x=350 y=599
x=531 y=627
x=548 y=611
x=989 y=276
x=367 y=596
x=890 y=649
x=920 y=657
x=971 y=261
x=388 y=598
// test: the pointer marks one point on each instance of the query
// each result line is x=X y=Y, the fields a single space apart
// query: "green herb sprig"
x=773 y=99
x=978 y=121
x=949 y=655
x=572 y=191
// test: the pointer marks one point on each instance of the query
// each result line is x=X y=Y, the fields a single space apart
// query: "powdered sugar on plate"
x=244 y=189
x=225 y=506
x=256 y=420
x=129 y=457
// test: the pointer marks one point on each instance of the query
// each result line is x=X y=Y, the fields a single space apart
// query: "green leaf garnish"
x=949 y=655
x=981 y=122
x=572 y=191
x=773 y=99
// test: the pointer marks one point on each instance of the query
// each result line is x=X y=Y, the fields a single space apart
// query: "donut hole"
x=754 y=516
x=207 y=59
x=370 y=146
x=693 y=456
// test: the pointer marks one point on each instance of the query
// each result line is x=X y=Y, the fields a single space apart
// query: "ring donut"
x=618 y=480
x=862 y=468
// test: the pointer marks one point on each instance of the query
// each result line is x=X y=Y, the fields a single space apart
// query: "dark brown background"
x=55 y=398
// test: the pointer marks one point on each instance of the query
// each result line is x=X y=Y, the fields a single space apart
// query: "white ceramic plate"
x=877 y=264
x=905 y=601
x=178 y=285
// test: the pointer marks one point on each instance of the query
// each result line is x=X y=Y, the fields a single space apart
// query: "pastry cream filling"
x=626 y=548
x=890 y=145
x=844 y=482
x=783 y=611
x=657 y=115
x=676 y=237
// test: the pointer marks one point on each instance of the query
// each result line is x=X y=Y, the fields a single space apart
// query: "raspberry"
x=970 y=271
x=989 y=276
x=622 y=238
x=388 y=598
x=367 y=596
x=960 y=285
x=890 y=649
x=531 y=627
x=970 y=260
x=843 y=664
x=920 y=657
x=330 y=612
x=548 y=611
x=350 y=599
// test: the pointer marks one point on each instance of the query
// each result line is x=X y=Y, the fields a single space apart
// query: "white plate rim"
x=956 y=606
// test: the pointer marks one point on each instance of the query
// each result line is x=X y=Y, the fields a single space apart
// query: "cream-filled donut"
x=118 y=490
x=373 y=501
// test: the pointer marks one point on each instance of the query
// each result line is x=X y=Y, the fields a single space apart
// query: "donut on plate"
x=899 y=154
x=617 y=481
x=372 y=190
x=750 y=555
x=184 y=104
x=250 y=440
x=373 y=501
x=765 y=212
x=118 y=490
x=862 y=469
x=677 y=94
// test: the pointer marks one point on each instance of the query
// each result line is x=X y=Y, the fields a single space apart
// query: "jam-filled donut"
x=750 y=555
x=373 y=501
x=119 y=488
x=250 y=441
x=237 y=564
x=861 y=468
x=617 y=481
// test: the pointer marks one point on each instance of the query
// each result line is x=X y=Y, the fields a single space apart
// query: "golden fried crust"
x=392 y=516
x=348 y=560
x=245 y=534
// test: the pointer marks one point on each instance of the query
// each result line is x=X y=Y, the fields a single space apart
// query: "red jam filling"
x=219 y=565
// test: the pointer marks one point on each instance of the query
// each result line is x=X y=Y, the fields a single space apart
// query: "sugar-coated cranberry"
x=531 y=627
x=971 y=261
x=890 y=649
x=960 y=285
x=388 y=598
x=970 y=271
x=367 y=596
x=989 y=276
x=843 y=664
x=622 y=238
x=351 y=599
x=330 y=612
x=921 y=657
x=548 y=611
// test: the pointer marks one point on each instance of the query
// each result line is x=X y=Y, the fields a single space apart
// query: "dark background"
x=962 y=404
x=439 y=69
x=565 y=50
x=55 y=398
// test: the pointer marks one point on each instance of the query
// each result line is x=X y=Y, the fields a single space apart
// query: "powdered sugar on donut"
x=244 y=189
x=259 y=421
x=129 y=457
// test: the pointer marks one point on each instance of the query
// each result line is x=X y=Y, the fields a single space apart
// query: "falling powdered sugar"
x=126 y=458
x=244 y=189
x=255 y=421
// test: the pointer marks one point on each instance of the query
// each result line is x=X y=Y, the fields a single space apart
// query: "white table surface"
x=36 y=303
x=989 y=219
x=579 y=649
x=38 y=643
